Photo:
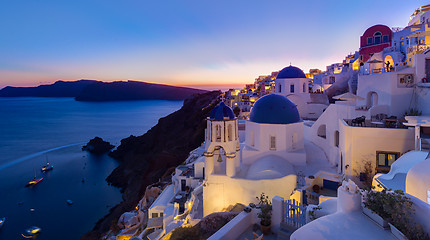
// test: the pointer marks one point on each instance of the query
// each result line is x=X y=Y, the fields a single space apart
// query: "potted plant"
x=266 y=213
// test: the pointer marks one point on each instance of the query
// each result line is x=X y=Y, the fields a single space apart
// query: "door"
x=428 y=69
x=183 y=185
x=330 y=184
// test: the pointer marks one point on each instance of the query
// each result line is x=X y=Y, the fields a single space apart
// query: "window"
x=377 y=37
x=154 y=215
x=428 y=196
x=407 y=40
x=322 y=131
x=336 y=138
x=252 y=138
x=385 y=38
x=294 y=141
x=272 y=143
x=218 y=133
x=161 y=214
x=292 y=88
x=369 y=40
x=230 y=132
x=384 y=160
x=304 y=87
x=331 y=80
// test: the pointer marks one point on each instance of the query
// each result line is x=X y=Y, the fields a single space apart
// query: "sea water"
x=34 y=130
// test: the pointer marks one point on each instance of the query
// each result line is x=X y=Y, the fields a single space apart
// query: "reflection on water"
x=32 y=129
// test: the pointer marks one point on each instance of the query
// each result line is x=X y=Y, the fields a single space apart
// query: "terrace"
x=376 y=123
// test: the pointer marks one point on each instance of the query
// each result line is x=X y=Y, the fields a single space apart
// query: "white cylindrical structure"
x=348 y=197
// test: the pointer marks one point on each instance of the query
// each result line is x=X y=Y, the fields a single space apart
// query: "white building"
x=292 y=83
x=273 y=146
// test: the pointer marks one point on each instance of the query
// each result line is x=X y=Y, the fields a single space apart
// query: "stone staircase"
x=285 y=231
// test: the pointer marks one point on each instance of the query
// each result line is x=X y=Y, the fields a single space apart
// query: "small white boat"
x=2 y=221
x=47 y=167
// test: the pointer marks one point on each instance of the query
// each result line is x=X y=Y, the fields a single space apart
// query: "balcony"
x=418 y=48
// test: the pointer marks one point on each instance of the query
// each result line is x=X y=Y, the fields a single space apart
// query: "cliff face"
x=146 y=158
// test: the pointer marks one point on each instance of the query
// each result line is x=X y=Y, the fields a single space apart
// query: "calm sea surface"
x=34 y=129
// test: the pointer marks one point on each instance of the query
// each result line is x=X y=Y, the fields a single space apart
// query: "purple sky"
x=181 y=42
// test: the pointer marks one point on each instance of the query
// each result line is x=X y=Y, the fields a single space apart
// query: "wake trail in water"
x=22 y=159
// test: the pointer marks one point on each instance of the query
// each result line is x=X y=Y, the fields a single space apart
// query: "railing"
x=417 y=48
x=294 y=213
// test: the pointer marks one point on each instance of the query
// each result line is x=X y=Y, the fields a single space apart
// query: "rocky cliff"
x=145 y=159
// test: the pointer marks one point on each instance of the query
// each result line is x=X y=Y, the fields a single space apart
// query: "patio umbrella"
x=348 y=97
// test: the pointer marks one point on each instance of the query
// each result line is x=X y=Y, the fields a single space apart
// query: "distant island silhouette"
x=98 y=91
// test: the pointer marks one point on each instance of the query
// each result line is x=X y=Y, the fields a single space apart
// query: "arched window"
x=377 y=37
x=304 y=87
x=322 y=131
x=230 y=132
x=407 y=40
x=280 y=88
x=218 y=133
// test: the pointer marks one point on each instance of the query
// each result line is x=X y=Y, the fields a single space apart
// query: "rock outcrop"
x=97 y=146
x=146 y=158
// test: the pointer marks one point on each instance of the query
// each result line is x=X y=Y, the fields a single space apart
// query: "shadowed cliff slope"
x=146 y=158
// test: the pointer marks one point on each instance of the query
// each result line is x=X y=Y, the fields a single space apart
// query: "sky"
x=182 y=42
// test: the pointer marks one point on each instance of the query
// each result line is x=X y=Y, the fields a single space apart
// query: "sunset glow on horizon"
x=190 y=43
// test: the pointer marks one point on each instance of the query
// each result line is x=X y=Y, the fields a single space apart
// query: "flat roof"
x=165 y=197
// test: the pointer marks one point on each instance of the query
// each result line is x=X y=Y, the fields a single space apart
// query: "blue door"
x=330 y=184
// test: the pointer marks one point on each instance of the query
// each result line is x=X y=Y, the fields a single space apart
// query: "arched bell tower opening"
x=222 y=142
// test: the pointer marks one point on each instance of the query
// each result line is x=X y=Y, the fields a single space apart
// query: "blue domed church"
x=265 y=162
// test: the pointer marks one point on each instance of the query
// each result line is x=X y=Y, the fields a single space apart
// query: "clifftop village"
x=313 y=155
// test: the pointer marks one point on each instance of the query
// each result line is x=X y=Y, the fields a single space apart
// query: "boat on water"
x=47 y=167
x=70 y=202
x=34 y=182
x=2 y=221
x=31 y=232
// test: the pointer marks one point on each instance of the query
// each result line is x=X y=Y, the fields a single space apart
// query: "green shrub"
x=397 y=209
x=186 y=233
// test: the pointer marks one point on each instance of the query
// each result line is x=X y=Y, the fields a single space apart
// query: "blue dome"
x=291 y=72
x=274 y=109
x=222 y=112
